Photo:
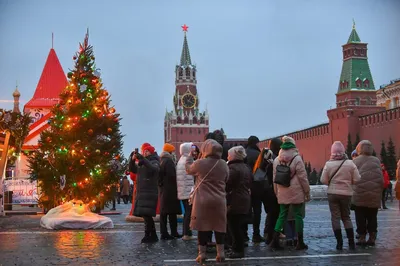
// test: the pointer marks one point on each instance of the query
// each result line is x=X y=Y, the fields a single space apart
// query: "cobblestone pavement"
x=24 y=242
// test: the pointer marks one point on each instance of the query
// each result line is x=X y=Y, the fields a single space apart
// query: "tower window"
x=187 y=72
x=366 y=83
x=368 y=100
x=357 y=102
x=358 y=82
x=180 y=72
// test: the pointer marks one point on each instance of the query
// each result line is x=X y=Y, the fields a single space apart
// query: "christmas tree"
x=79 y=155
x=391 y=159
x=356 y=142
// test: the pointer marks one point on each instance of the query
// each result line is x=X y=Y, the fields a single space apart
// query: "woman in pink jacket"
x=340 y=174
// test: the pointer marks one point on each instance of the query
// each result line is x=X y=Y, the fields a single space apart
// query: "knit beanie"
x=288 y=143
x=337 y=151
x=252 y=141
x=168 y=148
x=147 y=147
x=237 y=153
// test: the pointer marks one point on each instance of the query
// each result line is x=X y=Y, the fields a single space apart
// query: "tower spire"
x=354 y=38
x=185 y=57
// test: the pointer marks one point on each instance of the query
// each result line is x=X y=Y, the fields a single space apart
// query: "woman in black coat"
x=238 y=198
x=168 y=194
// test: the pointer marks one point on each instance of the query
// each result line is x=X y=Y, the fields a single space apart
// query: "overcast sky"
x=264 y=67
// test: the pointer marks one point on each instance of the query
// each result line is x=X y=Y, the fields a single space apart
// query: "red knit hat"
x=147 y=147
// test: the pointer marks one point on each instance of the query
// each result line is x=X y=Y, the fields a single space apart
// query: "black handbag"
x=283 y=174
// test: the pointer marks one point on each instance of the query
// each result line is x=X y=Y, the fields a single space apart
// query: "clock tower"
x=185 y=123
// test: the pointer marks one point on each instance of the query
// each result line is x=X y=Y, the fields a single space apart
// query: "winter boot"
x=371 y=239
x=145 y=239
x=153 y=237
x=220 y=253
x=268 y=238
x=167 y=237
x=201 y=258
x=300 y=242
x=350 y=236
x=339 y=239
x=361 y=241
x=274 y=245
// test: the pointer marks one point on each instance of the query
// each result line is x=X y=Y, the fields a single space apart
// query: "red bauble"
x=48 y=139
x=109 y=130
x=74 y=57
x=90 y=131
x=82 y=161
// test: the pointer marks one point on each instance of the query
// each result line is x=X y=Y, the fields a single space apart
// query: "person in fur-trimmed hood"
x=185 y=183
x=296 y=194
x=167 y=186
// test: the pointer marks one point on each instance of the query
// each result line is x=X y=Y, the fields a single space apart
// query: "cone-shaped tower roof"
x=185 y=57
x=51 y=83
x=354 y=38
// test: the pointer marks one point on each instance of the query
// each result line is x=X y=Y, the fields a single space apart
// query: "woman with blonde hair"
x=367 y=193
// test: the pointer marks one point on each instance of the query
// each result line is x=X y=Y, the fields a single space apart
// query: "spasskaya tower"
x=185 y=123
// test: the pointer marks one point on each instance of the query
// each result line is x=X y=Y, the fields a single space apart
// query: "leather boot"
x=145 y=239
x=339 y=239
x=350 y=236
x=274 y=245
x=220 y=253
x=300 y=242
x=361 y=241
x=201 y=257
x=371 y=239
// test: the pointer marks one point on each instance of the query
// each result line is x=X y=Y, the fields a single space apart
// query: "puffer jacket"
x=368 y=190
x=344 y=179
x=147 y=171
x=299 y=186
x=184 y=181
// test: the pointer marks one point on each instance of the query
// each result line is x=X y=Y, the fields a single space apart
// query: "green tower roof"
x=354 y=38
x=356 y=74
x=185 y=57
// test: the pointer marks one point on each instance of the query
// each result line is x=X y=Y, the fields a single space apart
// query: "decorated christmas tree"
x=79 y=156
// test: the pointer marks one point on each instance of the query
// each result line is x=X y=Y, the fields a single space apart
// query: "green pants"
x=298 y=217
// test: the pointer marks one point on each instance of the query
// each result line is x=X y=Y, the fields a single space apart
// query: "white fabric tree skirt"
x=74 y=215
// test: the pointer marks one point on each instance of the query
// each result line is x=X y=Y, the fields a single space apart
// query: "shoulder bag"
x=192 y=193
x=337 y=170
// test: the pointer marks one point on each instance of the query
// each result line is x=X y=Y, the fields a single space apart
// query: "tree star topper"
x=184 y=28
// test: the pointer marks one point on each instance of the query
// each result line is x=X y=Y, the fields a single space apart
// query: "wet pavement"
x=24 y=242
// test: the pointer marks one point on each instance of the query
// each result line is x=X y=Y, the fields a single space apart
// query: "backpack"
x=283 y=174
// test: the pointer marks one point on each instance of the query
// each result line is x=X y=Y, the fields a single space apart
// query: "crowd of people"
x=224 y=190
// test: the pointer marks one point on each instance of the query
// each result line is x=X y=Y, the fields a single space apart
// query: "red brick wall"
x=381 y=126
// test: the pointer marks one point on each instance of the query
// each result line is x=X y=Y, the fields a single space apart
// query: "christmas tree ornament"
x=90 y=131
x=98 y=151
x=83 y=87
x=82 y=162
x=112 y=110
x=89 y=95
x=74 y=58
x=109 y=130
x=62 y=182
x=48 y=139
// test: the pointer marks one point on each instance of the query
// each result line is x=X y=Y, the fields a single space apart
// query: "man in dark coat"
x=146 y=172
x=220 y=138
x=168 y=193
x=253 y=152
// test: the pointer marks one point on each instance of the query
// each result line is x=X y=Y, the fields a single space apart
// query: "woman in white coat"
x=185 y=184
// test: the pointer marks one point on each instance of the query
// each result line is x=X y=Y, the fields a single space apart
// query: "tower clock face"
x=188 y=100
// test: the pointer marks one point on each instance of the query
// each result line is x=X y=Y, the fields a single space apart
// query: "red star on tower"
x=184 y=28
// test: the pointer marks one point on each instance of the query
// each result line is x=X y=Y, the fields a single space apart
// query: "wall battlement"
x=380 y=118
